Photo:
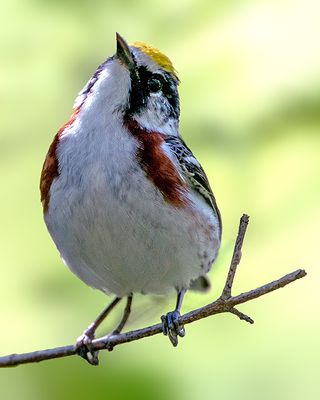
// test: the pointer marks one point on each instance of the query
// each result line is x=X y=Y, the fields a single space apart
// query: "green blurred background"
x=251 y=113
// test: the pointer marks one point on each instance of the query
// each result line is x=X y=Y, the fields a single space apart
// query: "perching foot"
x=84 y=348
x=171 y=326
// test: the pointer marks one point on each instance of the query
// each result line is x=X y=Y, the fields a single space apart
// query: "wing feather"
x=192 y=172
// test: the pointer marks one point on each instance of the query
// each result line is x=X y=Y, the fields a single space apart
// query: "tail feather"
x=201 y=284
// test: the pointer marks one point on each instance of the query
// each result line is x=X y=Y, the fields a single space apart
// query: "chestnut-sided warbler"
x=127 y=204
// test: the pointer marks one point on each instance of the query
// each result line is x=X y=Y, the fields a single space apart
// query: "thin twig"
x=242 y=316
x=225 y=303
x=236 y=257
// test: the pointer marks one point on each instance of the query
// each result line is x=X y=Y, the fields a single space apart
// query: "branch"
x=236 y=257
x=225 y=303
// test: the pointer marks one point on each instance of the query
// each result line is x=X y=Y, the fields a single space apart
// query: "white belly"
x=116 y=232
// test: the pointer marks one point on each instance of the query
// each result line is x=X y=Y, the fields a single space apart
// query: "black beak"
x=124 y=53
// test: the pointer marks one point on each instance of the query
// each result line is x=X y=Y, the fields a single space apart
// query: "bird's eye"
x=155 y=85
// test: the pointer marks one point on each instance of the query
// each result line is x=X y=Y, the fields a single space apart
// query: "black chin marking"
x=140 y=91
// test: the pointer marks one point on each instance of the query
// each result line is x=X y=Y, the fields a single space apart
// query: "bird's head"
x=138 y=83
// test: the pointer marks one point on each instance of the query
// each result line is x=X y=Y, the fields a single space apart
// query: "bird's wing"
x=192 y=172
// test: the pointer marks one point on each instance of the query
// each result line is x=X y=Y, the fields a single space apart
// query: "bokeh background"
x=250 y=99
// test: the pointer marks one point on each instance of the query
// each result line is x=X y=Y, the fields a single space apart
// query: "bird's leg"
x=84 y=341
x=125 y=316
x=123 y=321
x=170 y=321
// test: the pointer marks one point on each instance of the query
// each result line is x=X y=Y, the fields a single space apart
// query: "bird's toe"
x=171 y=326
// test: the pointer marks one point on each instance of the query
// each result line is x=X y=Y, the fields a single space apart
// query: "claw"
x=171 y=326
x=84 y=349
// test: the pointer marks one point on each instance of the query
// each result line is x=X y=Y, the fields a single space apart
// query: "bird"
x=127 y=204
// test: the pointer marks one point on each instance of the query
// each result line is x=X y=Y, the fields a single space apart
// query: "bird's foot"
x=171 y=326
x=85 y=350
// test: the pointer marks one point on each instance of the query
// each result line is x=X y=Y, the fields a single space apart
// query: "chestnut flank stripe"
x=157 y=165
x=50 y=169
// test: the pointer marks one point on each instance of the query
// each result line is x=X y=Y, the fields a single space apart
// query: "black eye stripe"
x=141 y=80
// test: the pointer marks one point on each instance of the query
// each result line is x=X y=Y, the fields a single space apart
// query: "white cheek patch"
x=156 y=94
x=154 y=117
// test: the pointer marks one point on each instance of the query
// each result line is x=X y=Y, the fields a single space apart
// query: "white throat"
x=108 y=96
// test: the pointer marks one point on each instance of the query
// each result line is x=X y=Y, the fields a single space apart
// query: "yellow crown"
x=156 y=56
